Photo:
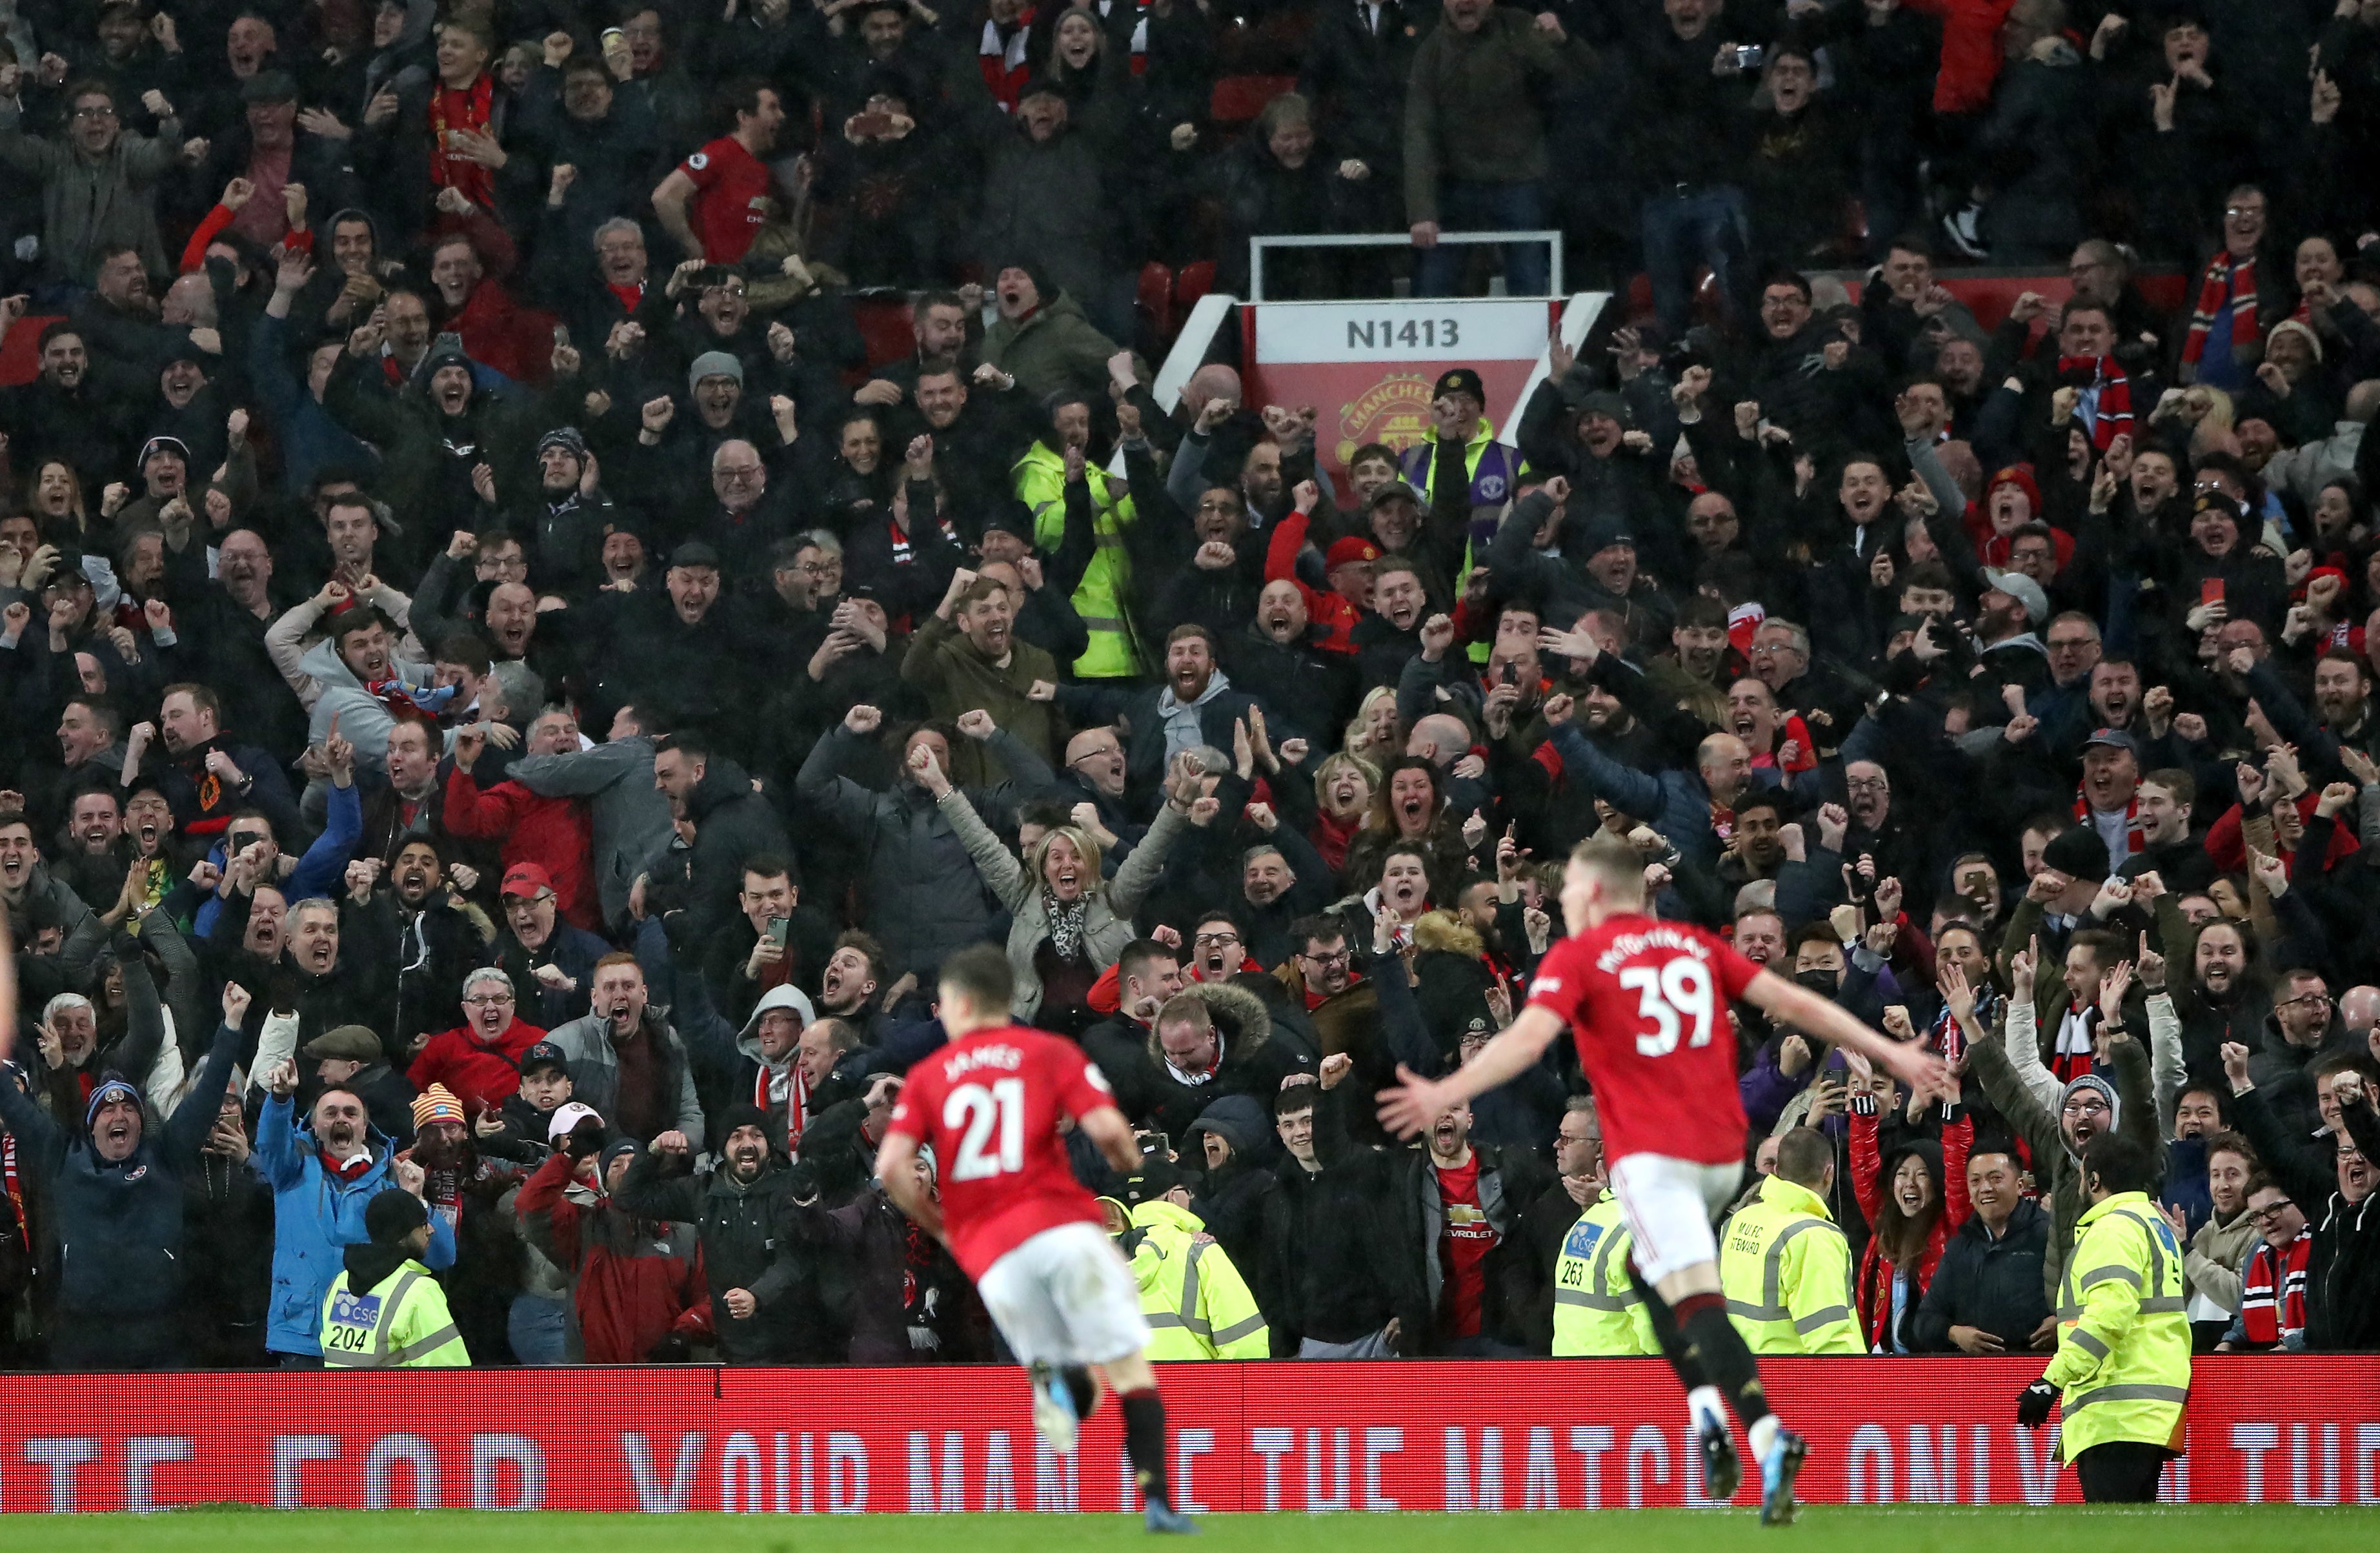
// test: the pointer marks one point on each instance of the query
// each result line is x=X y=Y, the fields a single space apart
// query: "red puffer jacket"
x=1871 y=1180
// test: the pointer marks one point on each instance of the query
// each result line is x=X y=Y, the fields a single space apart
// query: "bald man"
x=1694 y=809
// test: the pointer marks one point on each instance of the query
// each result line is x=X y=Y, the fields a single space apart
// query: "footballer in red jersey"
x=1646 y=1001
x=990 y=1105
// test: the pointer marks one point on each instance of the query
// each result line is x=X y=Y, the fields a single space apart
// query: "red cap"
x=2020 y=476
x=526 y=880
x=1350 y=552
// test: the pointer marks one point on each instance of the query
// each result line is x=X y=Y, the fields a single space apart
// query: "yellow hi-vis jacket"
x=2124 y=1330
x=1786 y=1270
x=1597 y=1313
x=402 y=1323
x=1198 y=1305
x=1040 y=477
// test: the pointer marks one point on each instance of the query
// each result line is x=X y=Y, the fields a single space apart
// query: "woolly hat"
x=392 y=1214
x=109 y=1089
x=2078 y=852
x=568 y=439
x=714 y=364
x=743 y=1114
x=2020 y=476
x=437 y=1103
x=2098 y=1085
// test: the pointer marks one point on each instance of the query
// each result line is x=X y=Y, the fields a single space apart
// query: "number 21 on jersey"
x=1669 y=995
x=978 y=1112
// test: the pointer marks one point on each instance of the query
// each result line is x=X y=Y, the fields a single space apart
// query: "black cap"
x=269 y=86
x=392 y=1214
x=694 y=553
x=544 y=1054
x=1459 y=379
x=1156 y=1177
x=2078 y=853
x=1010 y=517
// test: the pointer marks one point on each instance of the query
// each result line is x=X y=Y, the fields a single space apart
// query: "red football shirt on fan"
x=1465 y=1242
x=1646 y=1001
x=729 y=181
x=988 y=1105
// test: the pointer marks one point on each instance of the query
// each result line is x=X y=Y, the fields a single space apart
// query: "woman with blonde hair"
x=1377 y=733
x=1066 y=923
x=1343 y=788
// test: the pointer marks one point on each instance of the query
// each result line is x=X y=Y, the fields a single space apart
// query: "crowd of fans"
x=504 y=703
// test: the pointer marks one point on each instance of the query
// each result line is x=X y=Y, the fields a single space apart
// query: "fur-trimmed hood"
x=1448 y=933
x=1239 y=1018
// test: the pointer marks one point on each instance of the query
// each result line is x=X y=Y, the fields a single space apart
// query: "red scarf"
x=2135 y=842
x=2113 y=416
x=1004 y=62
x=350 y=1170
x=8 y=1180
x=2226 y=280
x=797 y=1102
x=630 y=297
x=473 y=107
x=2272 y=1291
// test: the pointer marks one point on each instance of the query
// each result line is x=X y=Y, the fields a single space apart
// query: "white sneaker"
x=1053 y=1409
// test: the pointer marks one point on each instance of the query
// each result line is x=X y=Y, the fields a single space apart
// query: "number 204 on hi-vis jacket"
x=402 y=1323
x=2123 y=1334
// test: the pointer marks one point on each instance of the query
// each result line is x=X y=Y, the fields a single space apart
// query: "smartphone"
x=2210 y=591
x=1154 y=1144
x=240 y=841
x=1748 y=56
x=561 y=336
x=871 y=124
x=1512 y=676
x=778 y=928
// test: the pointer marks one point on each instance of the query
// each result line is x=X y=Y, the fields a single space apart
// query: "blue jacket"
x=315 y=1217
x=322 y=871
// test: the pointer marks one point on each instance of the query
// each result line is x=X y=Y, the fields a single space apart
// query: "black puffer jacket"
x=742 y=1247
x=1993 y=1284
x=2343 y=1272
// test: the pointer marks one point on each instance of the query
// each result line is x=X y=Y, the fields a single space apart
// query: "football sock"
x=1712 y=1338
x=1143 y=1441
x=1674 y=1347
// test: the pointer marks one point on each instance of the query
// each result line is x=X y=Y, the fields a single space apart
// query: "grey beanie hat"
x=714 y=364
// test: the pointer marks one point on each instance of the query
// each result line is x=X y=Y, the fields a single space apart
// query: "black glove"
x=2032 y=1407
x=585 y=1138
x=1862 y=1102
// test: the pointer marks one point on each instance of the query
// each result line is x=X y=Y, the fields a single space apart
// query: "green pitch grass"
x=1904 y=1530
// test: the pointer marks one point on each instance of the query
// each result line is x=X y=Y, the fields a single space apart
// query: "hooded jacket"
x=1245 y=1063
x=316 y=1216
x=364 y=720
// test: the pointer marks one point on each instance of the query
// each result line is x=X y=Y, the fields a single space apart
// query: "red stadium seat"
x=1196 y=280
x=1238 y=99
x=1154 y=299
x=883 y=327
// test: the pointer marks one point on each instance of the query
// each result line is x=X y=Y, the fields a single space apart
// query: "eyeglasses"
x=819 y=568
x=2270 y=1213
x=485 y=999
x=1770 y=650
x=1203 y=939
x=94 y=112
x=1866 y=785
x=1335 y=957
x=2314 y=1000
x=2243 y=210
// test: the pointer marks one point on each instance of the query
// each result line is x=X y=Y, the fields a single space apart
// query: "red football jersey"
x=988 y=1105
x=1646 y=1001
x=729 y=183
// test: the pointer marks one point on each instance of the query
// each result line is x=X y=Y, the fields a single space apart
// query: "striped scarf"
x=2136 y=841
x=2111 y=415
x=2226 y=280
x=797 y=1102
x=12 y=1182
x=2272 y=1291
x=1003 y=60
